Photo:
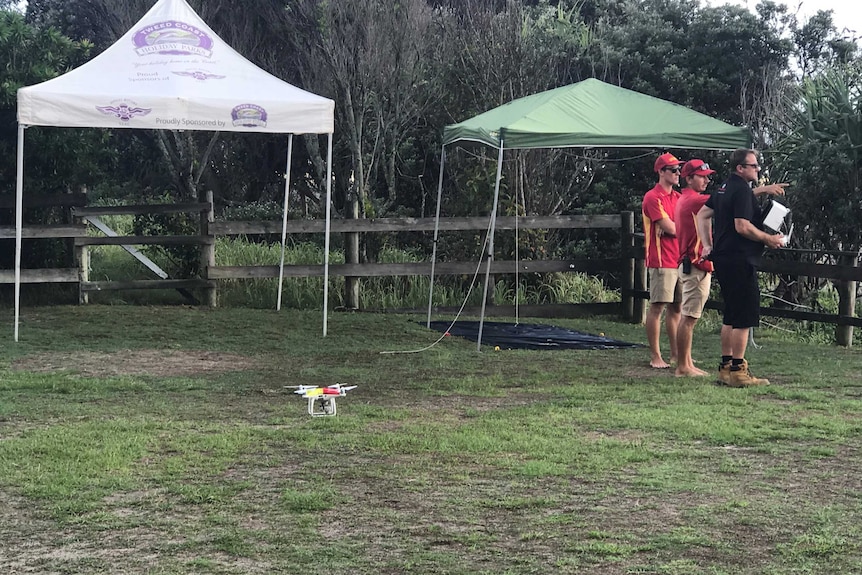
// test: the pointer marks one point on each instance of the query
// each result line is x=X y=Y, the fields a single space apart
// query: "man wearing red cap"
x=695 y=272
x=662 y=258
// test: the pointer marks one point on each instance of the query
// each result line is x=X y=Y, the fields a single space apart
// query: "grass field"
x=142 y=440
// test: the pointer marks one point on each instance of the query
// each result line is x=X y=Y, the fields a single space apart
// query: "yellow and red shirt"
x=661 y=250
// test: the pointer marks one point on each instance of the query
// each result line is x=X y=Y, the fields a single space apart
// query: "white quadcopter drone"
x=321 y=400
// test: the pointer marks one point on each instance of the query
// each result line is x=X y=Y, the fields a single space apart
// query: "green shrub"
x=111 y=263
x=260 y=210
x=298 y=293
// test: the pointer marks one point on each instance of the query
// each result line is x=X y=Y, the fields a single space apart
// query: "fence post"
x=351 y=256
x=208 y=250
x=627 y=243
x=640 y=303
x=846 y=304
x=82 y=260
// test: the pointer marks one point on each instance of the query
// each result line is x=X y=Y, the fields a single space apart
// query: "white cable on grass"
x=751 y=339
x=775 y=297
x=751 y=331
x=463 y=304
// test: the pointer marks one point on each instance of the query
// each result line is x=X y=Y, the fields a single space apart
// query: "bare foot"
x=689 y=372
x=659 y=364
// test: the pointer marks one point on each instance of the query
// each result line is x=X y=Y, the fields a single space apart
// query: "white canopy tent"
x=171 y=71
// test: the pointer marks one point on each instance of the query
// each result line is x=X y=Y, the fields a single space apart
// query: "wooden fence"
x=628 y=265
x=81 y=241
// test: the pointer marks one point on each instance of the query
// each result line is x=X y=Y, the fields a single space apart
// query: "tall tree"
x=375 y=59
x=51 y=156
x=31 y=56
x=819 y=46
x=821 y=155
x=505 y=51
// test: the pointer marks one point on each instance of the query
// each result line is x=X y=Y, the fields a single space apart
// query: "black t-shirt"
x=734 y=199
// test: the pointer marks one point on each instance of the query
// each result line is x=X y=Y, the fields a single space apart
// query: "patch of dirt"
x=156 y=362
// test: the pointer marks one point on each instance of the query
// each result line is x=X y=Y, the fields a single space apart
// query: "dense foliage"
x=400 y=72
x=822 y=154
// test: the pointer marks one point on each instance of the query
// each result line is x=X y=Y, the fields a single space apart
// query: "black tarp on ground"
x=529 y=336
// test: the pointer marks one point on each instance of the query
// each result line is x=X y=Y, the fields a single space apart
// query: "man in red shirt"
x=695 y=272
x=662 y=258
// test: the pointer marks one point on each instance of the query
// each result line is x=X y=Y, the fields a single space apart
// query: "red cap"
x=696 y=168
x=664 y=161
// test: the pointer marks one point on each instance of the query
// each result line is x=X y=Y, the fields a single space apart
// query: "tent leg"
x=284 y=219
x=436 y=232
x=490 y=244
x=19 y=223
x=326 y=240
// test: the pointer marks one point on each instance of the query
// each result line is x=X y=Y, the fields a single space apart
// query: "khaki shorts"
x=664 y=285
x=695 y=291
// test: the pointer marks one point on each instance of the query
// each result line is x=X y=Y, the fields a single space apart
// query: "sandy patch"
x=156 y=362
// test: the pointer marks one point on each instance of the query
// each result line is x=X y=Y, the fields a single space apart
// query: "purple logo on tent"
x=199 y=75
x=124 y=111
x=172 y=37
x=249 y=115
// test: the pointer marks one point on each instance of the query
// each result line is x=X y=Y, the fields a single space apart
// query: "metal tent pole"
x=436 y=231
x=19 y=223
x=490 y=243
x=284 y=219
x=326 y=240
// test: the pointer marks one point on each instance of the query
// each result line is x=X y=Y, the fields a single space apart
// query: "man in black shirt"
x=735 y=247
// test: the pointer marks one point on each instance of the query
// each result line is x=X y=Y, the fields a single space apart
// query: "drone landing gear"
x=321 y=406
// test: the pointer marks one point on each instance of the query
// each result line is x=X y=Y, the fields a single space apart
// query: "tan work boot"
x=724 y=373
x=743 y=378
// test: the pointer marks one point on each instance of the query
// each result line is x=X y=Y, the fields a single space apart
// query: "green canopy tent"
x=587 y=114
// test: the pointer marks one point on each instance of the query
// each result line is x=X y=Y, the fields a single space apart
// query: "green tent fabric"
x=587 y=114
x=594 y=113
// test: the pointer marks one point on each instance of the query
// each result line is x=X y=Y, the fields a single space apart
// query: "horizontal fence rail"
x=142 y=240
x=147 y=284
x=7 y=201
x=377 y=225
x=83 y=212
x=80 y=242
x=629 y=266
x=35 y=232
x=787 y=313
x=414 y=269
x=42 y=276
x=807 y=269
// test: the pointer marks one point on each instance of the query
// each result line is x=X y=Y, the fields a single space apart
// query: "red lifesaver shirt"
x=661 y=250
x=687 y=207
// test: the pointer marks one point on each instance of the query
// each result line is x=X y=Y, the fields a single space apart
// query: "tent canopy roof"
x=593 y=113
x=171 y=71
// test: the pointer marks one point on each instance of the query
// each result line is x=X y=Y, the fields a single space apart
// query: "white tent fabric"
x=171 y=71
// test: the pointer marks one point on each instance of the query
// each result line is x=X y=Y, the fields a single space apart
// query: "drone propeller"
x=316 y=390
